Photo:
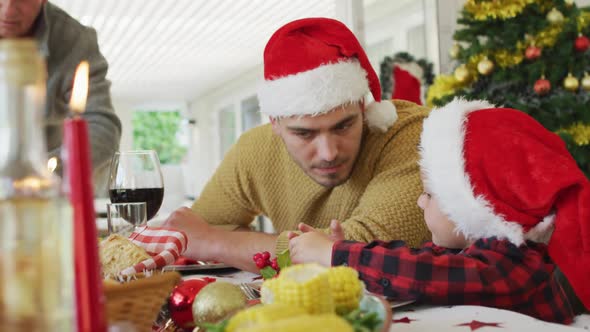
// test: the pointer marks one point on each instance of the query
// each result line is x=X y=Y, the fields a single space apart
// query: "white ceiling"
x=179 y=49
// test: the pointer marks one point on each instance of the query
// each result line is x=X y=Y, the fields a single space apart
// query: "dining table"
x=414 y=317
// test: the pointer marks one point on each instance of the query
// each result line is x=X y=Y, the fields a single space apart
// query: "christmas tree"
x=532 y=55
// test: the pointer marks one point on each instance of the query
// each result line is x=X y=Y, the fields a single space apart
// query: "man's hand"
x=200 y=234
x=314 y=245
x=208 y=243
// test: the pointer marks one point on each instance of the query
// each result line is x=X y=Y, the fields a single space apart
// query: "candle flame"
x=52 y=164
x=80 y=89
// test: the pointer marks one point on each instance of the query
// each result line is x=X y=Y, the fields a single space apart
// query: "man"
x=65 y=43
x=326 y=154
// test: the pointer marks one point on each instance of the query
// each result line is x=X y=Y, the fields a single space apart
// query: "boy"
x=497 y=185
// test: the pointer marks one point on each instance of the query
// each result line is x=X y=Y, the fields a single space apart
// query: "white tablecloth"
x=421 y=318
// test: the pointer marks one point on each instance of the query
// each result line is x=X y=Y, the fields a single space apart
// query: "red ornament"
x=532 y=52
x=180 y=303
x=582 y=43
x=542 y=86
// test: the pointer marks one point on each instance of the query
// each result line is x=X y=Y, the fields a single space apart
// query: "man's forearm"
x=236 y=248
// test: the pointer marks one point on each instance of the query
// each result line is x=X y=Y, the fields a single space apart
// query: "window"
x=162 y=131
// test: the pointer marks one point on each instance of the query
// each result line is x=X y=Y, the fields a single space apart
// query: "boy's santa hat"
x=498 y=172
x=313 y=65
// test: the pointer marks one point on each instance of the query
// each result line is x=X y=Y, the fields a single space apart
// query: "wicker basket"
x=139 y=301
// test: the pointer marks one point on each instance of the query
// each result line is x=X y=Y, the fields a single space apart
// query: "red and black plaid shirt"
x=490 y=272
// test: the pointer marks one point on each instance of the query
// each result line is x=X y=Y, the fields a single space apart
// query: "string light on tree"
x=571 y=83
x=462 y=73
x=555 y=16
x=485 y=66
x=586 y=82
x=582 y=43
x=542 y=86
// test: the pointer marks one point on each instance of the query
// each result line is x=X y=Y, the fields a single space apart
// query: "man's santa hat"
x=498 y=172
x=313 y=65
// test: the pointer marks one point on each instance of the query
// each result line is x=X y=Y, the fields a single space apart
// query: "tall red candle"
x=89 y=296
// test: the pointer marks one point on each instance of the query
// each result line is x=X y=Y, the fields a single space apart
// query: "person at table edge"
x=327 y=154
x=64 y=43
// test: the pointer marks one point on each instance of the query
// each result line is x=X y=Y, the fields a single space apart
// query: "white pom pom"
x=381 y=115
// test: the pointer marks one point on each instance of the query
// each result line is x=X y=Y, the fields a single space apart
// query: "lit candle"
x=52 y=164
x=78 y=168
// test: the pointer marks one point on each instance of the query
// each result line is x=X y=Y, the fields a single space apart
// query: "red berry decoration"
x=582 y=43
x=266 y=255
x=274 y=264
x=532 y=52
x=257 y=256
x=542 y=86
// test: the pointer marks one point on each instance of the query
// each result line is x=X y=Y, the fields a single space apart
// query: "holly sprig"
x=271 y=268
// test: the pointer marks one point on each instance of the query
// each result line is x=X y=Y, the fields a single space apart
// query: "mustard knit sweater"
x=257 y=176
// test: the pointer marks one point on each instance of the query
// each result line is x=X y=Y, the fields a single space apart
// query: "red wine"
x=151 y=196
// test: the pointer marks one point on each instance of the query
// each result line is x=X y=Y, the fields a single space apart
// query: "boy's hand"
x=314 y=246
x=336 y=233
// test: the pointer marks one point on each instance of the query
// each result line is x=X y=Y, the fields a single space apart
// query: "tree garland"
x=386 y=75
x=497 y=9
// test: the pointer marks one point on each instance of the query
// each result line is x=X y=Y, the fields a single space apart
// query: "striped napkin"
x=165 y=245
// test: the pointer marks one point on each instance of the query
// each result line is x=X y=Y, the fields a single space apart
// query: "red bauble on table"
x=542 y=86
x=180 y=303
x=532 y=52
x=582 y=43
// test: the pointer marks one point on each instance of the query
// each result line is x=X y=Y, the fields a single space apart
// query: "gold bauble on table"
x=586 y=82
x=571 y=83
x=454 y=51
x=216 y=301
x=554 y=16
x=462 y=73
x=485 y=66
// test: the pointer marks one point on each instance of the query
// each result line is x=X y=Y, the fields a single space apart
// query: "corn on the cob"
x=316 y=323
x=262 y=314
x=346 y=287
x=305 y=286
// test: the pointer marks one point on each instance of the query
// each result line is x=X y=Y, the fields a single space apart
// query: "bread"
x=118 y=253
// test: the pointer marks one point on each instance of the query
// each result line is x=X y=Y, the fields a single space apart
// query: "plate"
x=198 y=268
x=397 y=304
x=380 y=306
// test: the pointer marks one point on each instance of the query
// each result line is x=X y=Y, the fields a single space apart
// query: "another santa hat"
x=313 y=65
x=498 y=172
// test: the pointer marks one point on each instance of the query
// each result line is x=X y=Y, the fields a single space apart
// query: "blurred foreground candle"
x=36 y=261
x=78 y=170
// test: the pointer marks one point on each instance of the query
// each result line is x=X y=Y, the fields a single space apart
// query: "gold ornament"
x=586 y=82
x=462 y=73
x=485 y=66
x=569 y=3
x=216 y=301
x=571 y=83
x=454 y=51
x=555 y=16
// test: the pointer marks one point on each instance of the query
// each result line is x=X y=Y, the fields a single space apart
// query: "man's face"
x=17 y=17
x=324 y=146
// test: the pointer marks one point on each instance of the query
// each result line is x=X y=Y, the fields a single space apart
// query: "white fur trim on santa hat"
x=443 y=165
x=320 y=90
x=381 y=115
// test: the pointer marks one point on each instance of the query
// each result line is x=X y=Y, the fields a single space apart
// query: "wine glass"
x=136 y=177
